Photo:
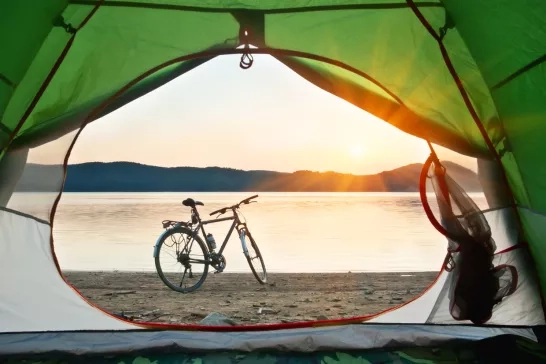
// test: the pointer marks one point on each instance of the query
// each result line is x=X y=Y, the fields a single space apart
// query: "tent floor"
x=499 y=349
x=384 y=343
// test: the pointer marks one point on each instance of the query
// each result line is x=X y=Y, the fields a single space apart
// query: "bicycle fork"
x=242 y=236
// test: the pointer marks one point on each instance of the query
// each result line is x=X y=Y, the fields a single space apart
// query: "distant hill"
x=134 y=177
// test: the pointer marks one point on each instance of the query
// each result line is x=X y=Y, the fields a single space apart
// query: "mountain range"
x=134 y=177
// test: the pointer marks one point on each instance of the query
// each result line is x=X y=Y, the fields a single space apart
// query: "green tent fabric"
x=440 y=70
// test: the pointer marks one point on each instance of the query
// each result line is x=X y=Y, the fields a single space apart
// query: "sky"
x=265 y=118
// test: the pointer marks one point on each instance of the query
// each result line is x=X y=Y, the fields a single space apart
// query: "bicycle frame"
x=216 y=260
x=201 y=226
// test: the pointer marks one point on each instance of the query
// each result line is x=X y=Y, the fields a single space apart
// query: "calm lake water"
x=296 y=232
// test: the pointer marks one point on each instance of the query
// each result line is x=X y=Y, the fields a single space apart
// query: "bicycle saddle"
x=190 y=202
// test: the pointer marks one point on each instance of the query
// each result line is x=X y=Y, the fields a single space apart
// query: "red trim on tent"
x=513 y=247
x=193 y=327
x=424 y=200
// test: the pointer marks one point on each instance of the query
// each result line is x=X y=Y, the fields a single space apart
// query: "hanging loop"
x=435 y=158
x=246 y=58
x=246 y=61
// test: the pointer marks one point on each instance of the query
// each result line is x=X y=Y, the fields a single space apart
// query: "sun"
x=356 y=151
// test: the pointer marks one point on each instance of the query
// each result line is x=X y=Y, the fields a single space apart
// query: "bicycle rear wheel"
x=182 y=261
x=254 y=258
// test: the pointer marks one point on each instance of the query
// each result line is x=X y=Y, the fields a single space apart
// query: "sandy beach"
x=287 y=297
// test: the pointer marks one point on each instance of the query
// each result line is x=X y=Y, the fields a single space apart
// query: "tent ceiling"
x=123 y=39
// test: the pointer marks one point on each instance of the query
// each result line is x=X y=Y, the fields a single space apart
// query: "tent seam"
x=15 y=212
x=7 y=81
x=38 y=95
x=379 y=6
x=469 y=106
x=519 y=72
x=5 y=129
x=47 y=80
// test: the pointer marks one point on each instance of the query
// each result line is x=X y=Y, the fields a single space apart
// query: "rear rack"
x=169 y=224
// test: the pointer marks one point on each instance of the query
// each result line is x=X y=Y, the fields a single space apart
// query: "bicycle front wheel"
x=254 y=257
x=182 y=261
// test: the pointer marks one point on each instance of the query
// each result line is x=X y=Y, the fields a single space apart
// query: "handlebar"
x=223 y=210
x=247 y=200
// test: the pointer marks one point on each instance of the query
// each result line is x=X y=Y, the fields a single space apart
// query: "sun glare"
x=356 y=151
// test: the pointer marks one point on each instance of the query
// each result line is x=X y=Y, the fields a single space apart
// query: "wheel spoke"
x=177 y=257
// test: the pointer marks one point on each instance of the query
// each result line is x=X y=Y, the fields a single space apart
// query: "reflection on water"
x=296 y=232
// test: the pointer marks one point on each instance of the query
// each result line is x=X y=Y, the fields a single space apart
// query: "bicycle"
x=189 y=234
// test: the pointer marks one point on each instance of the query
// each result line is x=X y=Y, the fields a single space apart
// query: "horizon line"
x=243 y=170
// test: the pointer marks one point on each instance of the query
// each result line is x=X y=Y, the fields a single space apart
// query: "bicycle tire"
x=166 y=281
x=263 y=279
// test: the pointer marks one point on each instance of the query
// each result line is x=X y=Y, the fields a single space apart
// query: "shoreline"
x=287 y=297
